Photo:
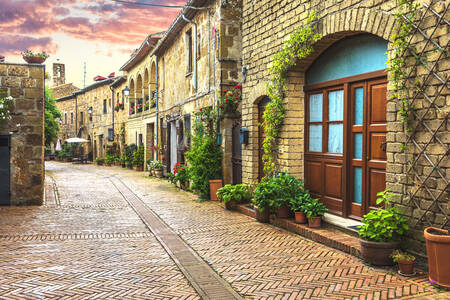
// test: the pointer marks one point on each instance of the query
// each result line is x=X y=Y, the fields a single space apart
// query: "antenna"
x=84 y=80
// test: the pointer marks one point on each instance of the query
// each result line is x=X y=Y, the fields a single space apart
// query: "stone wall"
x=63 y=90
x=25 y=83
x=67 y=128
x=266 y=24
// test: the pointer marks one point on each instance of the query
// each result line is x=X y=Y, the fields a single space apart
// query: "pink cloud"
x=35 y=21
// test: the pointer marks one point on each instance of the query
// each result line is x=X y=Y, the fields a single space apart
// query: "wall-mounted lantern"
x=243 y=136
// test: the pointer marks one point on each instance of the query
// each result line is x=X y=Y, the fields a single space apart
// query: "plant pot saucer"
x=407 y=275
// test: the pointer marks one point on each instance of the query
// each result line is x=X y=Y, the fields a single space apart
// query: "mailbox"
x=243 y=135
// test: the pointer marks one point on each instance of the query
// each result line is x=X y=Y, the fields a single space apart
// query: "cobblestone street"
x=113 y=233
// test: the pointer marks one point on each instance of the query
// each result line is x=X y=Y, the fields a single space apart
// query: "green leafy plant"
x=298 y=46
x=383 y=225
x=109 y=159
x=99 y=160
x=205 y=155
x=129 y=153
x=398 y=255
x=51 y=115
x=157 y=165
x=297 y=203
x=238 y=193
x=6 y=104
x=138 y=157
x=180 y=174
x=314 y=208
x=123 y=158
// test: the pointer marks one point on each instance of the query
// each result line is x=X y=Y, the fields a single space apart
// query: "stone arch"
x=132 y=88
x=139 y=87
x=153 y=79
x=146 y=86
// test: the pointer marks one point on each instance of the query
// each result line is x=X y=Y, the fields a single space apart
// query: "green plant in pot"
x=381 y=232
x=405 y=262
x=138 y=158
x=123 y=160
x=231 y=195
x=297 y=204
x=109 y=159
x=263 y=194
x=150 y=167
x=99 y=161
x=314 y=210
x=158 y=168
x=289 y=187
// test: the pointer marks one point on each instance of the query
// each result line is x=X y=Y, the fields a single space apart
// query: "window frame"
x=190 y=55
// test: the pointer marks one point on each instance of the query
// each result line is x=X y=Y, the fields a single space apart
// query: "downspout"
x=194 y=52
x=112 y=111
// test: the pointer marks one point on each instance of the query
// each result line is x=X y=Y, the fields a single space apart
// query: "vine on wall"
x=298 y=46
x=397 y=61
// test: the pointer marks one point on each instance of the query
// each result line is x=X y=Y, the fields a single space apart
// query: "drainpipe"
x=195 y=50
x=112 y=102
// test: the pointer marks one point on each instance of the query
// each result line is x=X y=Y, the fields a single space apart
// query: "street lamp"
x=126 y=92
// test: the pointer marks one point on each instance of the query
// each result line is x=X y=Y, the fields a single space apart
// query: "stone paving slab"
x=92 y=246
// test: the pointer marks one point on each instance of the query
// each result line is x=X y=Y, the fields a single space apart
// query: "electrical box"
x=243 y=136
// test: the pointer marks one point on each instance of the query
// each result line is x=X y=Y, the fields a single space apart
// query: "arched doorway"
x=345 y=125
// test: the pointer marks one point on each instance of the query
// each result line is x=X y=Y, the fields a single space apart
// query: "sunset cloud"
x=33 y=23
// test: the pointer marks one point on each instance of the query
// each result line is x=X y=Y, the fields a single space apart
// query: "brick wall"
x=25 y=83
x=267 y=23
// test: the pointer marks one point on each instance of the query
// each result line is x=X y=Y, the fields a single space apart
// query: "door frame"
x=323 y=157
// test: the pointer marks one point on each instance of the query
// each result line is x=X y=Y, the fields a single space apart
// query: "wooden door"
x=261 y=108
x=4 y=170
x=236 y=155
x=368 y=139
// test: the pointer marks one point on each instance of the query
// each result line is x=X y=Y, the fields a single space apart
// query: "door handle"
x=383 y=146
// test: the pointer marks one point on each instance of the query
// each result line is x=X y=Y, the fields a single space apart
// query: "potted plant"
x=99 y=161
x=438 y=249
x=117 y=161
x=405 y=262
x=297 y=204
x=263 y=194
x=157 y=167
x=181 y=175
x=138 y=159
x=123 y=160
x=381 y=232
x=150 y=167
x=314 y=210
x=34 y=58
x=231 y=195
x=108 y=160
x=129 y=164
x=288 y=188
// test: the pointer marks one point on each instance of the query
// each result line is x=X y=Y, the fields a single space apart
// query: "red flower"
x=221 y=106
x=200 y=109
x=224 y=92
x=238 y=87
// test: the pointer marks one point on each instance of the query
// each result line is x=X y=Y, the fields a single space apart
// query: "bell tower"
x=59 y=74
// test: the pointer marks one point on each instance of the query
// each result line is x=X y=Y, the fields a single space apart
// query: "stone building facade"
x=67 y=123
x=318 y=84
x=22 y=137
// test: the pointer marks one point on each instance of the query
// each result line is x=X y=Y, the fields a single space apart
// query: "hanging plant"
x=298 y=46
x=230 y=101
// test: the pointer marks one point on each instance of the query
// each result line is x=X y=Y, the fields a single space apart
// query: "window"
x=163 y=73
x=140 y=140
x=105 y=109
x=65 y=118
x=189 y=50
x=71 y=117
x=81 y=117
x=109 y=102
x=326 y=121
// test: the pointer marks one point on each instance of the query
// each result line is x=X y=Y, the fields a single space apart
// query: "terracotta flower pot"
x=378 y=253
x=438 y=251
x=300 y=217
x=406 y=267
x=314 y=222
x=264 y=216
x=214 y=186
x=283 y=212
x=130 y=167
x=230 y=205
x=139 y=168
x=34 y=59
x=159 y=173
x=107 y=165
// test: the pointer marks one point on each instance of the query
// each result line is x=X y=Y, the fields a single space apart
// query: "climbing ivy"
x=397 y=61
x=298 y=46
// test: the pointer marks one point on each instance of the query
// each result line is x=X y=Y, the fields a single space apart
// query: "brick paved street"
x=88 y=242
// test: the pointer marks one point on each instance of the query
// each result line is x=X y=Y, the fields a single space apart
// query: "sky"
x=101 y=33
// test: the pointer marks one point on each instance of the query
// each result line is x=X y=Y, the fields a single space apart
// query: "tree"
x=51 y=115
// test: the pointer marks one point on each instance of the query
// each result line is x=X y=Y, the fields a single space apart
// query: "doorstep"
x=326 y=235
